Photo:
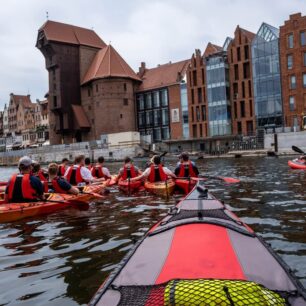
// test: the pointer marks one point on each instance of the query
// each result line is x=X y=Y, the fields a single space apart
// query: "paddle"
x=298 y=150
x=229 y=180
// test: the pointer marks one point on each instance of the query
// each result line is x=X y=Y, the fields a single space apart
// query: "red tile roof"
x=108 y=63
x=212 y=49
x=24 y=100
x=80 y=116
x=163 y=75
x=66 y=33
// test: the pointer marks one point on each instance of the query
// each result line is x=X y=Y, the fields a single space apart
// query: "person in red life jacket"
x=24 y=187
x=99 y=171
x=185 y=167
x=78 y=173
x=128 y=170
x=156 y=172
x=63 y=167
x=58 y=184
x=38 y=172
x=88 y=163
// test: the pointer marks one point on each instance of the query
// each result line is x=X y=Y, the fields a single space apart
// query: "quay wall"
x=57 y=153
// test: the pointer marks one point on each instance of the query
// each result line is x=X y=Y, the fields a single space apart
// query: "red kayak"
x=129 y=187
x=297 y=164
x=201 y=254
x=185 y=185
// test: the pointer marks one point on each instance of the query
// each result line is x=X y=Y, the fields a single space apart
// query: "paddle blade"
x=229 y=180
x=298 y=150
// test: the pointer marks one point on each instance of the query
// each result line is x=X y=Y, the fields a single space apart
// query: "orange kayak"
x=185 y=185
x=164 y=189
x=128 y=186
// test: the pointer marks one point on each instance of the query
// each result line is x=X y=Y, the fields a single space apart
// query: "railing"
x=248 y=143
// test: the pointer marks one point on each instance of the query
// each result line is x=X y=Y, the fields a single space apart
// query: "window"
x=203 y=78
x=290 y=41
x=201 y=131
x=121 y=116
x=192 y=96
x=250 y=88
x=246 y=52
x=236 y=72
x=125 y=101
x=89 y=92
x=164 y=97
x=200 y=95
x=292 y=103
x=194 y=131
x=239 y=127
x=290 y=61
x=192 y=113
x=250 y=128
x=235 y=88
x=55 y=101
x=194 y=76
x=124 y=86
x=235 y=109
x=97 y=87
x=156 y=99
x=238 y=54
x=303 y=38
x=165 y=116
x=304 y=59
x=242 y=109
x=232 y=55
x=243 y=90
x=203 y=113
x=304 y=79
x=251 y=108
x=246 y=70
x=148 y=100
x=140 y=102
x=198 y=113
x=292 y=82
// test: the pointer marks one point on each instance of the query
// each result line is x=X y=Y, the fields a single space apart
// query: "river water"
x=61 y=259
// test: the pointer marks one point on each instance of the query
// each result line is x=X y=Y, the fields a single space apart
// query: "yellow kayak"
x=164 y=189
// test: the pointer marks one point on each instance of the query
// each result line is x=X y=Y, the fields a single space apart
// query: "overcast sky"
x=154 y=31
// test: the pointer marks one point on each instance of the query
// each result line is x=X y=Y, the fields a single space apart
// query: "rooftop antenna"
x=47 y=15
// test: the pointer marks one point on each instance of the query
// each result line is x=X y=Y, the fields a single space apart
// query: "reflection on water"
x=62 y=259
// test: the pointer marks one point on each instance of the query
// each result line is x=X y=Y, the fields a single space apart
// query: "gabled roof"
x=25 y=101
x=163 y=75
x=212 y=49
x=268 y=32
x=107 y=64
x=248 y=34
x=66 y=33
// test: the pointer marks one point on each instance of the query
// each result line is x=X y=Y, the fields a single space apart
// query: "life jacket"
x=97 y=171
x=61 y=170
x=89 y=167
x=186 y=170
x=20 y=189
x=54 y=185
x=42 y=176
x=128 y=172
x=157 y=174
x=74 y=176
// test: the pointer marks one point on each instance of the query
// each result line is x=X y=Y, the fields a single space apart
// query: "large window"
x=292 y=82
x=290 y=61
x=165 y=116
x=155 y=99
x=292 y=103
x=164 y=97
x=304 y=79
x=148 y=100
x=140 y=102
x=290 y=41
x=242 y=109
x=303 y=38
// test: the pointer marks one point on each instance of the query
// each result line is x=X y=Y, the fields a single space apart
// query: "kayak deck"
x=164 y=189
x=199 y=242
x=297 y=164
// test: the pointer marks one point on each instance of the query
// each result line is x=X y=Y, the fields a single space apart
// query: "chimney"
x=142 y=69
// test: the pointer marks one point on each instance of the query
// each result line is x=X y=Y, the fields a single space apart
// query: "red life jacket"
x=42 y=176
x=61 y=170
x=20 y=189
x=128 y=172
x=191 y=172
x=74 y=176
x=54 y=185
x=157 y=174
x=97 y=171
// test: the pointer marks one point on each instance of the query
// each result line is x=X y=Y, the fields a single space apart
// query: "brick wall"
x=175 y=103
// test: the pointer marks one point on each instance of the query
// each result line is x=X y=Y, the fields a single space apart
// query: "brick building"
x=241 y=82
x=161 y=102
x=293 y=70
x=91 y=87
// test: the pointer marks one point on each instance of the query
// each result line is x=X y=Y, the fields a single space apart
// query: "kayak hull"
x=129 y=187
x=185 y=185
x=297 y=164
x=199 y=241
x=163 y=189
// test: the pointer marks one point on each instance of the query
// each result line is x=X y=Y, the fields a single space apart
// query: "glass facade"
x=153 y=114
x=184 y=106
x=218 y=95
x=266 y=77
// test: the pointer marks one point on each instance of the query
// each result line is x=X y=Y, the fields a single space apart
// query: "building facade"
x=267 y=78
x=293 y=70
x=241 y=82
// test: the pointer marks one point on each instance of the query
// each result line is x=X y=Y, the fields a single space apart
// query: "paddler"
x=39 y=172
x=79 y=174
x=156 y=172
x=128 y=170
x=99 y=171
x=88 y=163
x=24 y=187
x=185 y=167
x=63 y=167
x=58 y=184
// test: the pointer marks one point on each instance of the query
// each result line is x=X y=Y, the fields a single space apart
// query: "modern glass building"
x=153 y=114
x=184 y=107
x=218 y=94
x=266 y=77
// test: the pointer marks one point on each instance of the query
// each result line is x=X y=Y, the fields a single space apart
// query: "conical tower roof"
x=109 y=64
